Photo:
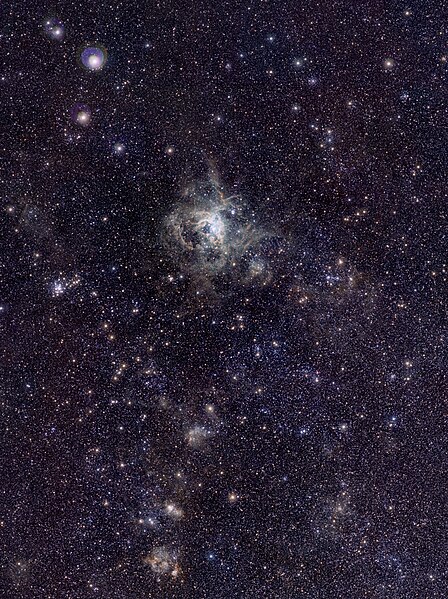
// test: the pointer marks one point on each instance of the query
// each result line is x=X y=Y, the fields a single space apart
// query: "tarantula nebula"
x=211 y=235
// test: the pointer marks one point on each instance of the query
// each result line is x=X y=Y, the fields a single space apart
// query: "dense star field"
x=223 y=300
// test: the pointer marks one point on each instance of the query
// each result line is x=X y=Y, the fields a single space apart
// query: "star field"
x=223 y=300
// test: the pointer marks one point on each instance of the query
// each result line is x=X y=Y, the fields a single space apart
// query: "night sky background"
x=223 y=295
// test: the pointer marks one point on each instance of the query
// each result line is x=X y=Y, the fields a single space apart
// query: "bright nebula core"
x=213 y=237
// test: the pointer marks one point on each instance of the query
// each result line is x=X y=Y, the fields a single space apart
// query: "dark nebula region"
x=223 y=299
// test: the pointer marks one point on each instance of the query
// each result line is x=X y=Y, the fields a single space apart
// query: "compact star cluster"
x=223 y=300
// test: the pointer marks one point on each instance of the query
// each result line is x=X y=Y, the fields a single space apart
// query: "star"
x=54 y=29
x=93 y=58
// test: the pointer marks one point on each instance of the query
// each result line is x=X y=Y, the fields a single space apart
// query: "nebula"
x=213 y=236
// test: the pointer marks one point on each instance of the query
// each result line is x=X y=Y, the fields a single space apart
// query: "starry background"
x=223 y=300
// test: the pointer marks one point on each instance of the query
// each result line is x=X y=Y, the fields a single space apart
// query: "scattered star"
x=223 y=300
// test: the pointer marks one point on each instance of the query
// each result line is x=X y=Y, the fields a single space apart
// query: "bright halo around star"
x=54 y=29
x=93 y=58
x=81 y=114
